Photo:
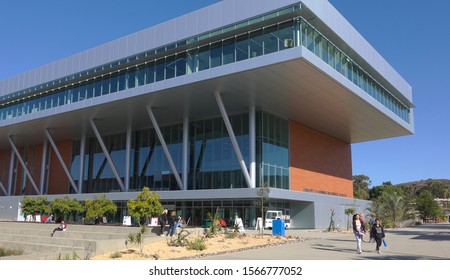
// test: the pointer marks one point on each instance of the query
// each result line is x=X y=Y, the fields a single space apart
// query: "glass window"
x=242 y=47
x=256 y=43
x=131 y=78
x=159 y=75
x=140 y=75
x=338 y=62
x=150 y=72
x=216 y=54
x=192 y=61
x=317 y=43
x=331 y=57
x=286 y=35
x=181 y=64
x=228 y=51
x=203 y=58
x=122 y=80
x=90 y=90
x=82 y=93
x=270 y=39
x=75 y=92
x=310 y=38
x=170 y=67
x=113 y=84
x=98 y=87
x=105 y=85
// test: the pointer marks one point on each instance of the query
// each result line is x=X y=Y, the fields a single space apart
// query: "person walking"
x=357 y=231
x=377 y=233
x=363 y=225
x=162 y=219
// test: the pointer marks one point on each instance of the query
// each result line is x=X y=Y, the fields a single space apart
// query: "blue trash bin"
x=278 y=228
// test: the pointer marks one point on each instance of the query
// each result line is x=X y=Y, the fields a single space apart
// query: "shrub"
x=116 y=255
x=68 y=257
x=137 y=239
x=179 y=239
x=197 y=244
x=10 y=252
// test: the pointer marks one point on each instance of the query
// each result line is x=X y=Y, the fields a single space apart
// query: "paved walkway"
x=426 y=242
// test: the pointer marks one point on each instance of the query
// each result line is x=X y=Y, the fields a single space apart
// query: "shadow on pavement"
x=431 y=232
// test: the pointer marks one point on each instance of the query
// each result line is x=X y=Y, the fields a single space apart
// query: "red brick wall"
x=58 y=181
x=5 y=156
x=318 y=162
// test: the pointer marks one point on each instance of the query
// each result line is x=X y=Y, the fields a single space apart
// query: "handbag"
x=384 y=242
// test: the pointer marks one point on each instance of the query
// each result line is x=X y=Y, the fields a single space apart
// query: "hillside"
x=440 y=188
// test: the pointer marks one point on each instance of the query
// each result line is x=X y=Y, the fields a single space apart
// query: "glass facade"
x=212 y=161
x=180 y=59
x=272 y=150
x=314 y=41
x=197 y=212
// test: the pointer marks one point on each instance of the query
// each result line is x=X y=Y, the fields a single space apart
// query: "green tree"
x=64 y=207
x=349 y=212
x=392 y=208
x=34 y=205
x=99 y=207
x=427 y=206
x=262 y=203
x=361 y=184
x=146 y=204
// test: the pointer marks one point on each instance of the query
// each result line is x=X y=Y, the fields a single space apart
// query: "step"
x=68 y=233
x=47 y=240
x=30 y=247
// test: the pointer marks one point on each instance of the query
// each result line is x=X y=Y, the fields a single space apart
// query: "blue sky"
x=411 y=36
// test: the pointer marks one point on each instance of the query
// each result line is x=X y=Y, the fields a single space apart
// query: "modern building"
x=205 y=109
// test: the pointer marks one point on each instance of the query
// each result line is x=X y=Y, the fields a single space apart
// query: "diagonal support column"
x=108 y=157
x=61 y=160
x=81 y=168
x=43 y=166
x=11 y=171
x=19 y=157
x=233 y=140
x=164 y=146
x=2 y=187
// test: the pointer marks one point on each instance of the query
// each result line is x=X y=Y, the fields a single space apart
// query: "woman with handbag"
x=358 y=232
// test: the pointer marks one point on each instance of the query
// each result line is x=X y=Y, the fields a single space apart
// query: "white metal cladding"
x=197 y=22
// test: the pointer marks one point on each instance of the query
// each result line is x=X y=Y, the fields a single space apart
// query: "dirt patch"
x=219 y=244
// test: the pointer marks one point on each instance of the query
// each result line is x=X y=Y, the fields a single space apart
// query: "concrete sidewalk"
x=426 y=242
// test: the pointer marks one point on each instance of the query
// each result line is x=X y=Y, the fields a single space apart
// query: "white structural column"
x=185 y=152
x=43 y=165
x=233 y=140
x=61 y=160
x=164 y=146
x=19 y=157
x=108 y=157
x=81 y=168
x=128 y=158
x=252 y=144
x=11 y=171
x=298 y=38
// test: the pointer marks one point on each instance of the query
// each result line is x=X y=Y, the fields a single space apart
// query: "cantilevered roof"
x=293 y=84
